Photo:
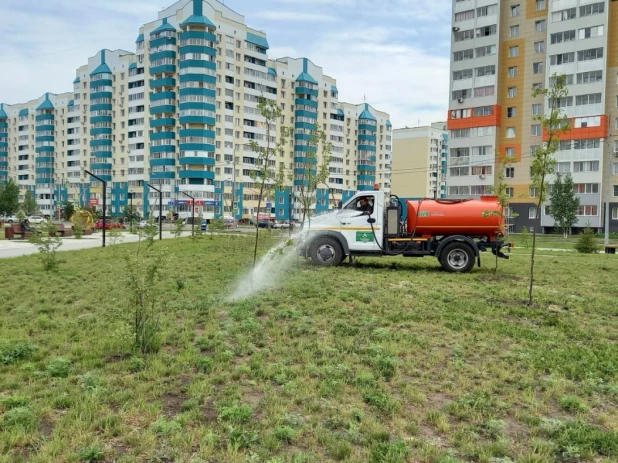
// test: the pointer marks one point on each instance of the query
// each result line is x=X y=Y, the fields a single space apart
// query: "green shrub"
x=165 y=427
x=14 y=351
x=19 y=418
x=389 y=452
x=236 y=413
x=91 y=454
x=14 y=401
x=586 y=242
x=205 y=364
x=59 y=368
x=285 y=434
x=573 y=404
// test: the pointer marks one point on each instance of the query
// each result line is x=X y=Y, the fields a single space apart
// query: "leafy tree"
x=216 y=226
x=179 y=227
x=312 y=172
x=199 y=233
x=586 y=243
x=9 y=198
x=266 y=175
x=29 y=206
x=564 y=203
x=47 y=242
x=130 y=212
x=543 y=163
x=525 y=236
x=68 y=210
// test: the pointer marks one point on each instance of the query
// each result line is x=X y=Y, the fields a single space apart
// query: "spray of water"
x=270 y=270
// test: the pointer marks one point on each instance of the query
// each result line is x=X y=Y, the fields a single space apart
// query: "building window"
x=566 y=36
x=614 y=213
x=514 y=51
x=587 y=55
x=513 y=71
x=512 y=92
x=539 y=47
x=515 y=10
x=540 y=5
x=511 y=112
x=464 y=15
x=514 y=31
x=615 y=191
x=510 y=132
x=532 y=212
x=540 y=26
x=510 y=191
x=537 y=68
x=532 y=192
x=587 y=211
x=595 y=8
x=537 y=109
x=564 y=15
x=509 y=172
x=510 y=152
x=536 y=130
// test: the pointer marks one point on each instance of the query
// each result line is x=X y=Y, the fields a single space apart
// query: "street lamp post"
x=192 y=213
x=160 y=210
x=607 y=192
x=104 y=199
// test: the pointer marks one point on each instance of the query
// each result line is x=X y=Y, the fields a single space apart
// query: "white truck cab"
x=347 y=230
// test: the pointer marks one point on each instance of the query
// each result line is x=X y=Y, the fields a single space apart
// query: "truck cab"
x=370 y=224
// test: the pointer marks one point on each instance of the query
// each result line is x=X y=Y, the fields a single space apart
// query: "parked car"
x=265 y=224
x=282 y=224
x=204 y=225
x=36 y=219
x=108 y=225
x=12 y=219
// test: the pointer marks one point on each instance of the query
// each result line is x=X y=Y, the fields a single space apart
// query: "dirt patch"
x=432 y=436
x=437 y=400
x=173 y=350
x=46 y=427
x=118 y=357
x=499 y=277
x=211 y=414
x=199 y=331
x=118 y=448
x=172 y=402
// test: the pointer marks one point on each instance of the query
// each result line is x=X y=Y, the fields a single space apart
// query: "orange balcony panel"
x=583 y=133
x=475 y=121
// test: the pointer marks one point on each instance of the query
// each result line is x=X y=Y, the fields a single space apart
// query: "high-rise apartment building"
x=419 y=157
x=179 y=113
x=501 y=51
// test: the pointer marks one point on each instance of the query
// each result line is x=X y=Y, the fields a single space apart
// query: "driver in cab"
x=364 y=206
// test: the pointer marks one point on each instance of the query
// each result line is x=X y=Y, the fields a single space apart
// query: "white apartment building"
x=178 y=114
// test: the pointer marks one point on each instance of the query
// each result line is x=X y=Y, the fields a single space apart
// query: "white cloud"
x=293 y=16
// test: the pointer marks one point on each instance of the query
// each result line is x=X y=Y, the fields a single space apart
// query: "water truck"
x=370 y=224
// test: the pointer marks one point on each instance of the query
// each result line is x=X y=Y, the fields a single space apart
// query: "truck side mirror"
x=371 y=220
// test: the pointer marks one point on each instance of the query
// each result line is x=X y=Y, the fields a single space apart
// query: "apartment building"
x=419 y=161
x=178 y=113
x=501 y=51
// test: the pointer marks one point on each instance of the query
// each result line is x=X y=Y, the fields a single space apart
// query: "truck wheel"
x=457 y=257
x=326 y=252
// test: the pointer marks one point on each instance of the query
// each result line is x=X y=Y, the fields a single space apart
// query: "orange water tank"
x=472 y=217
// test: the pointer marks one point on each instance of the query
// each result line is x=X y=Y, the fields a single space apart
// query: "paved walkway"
x=16 y=248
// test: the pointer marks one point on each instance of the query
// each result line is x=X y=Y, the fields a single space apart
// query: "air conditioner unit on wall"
x=455 y=29
x=460 y=100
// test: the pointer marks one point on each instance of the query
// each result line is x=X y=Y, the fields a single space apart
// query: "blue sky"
x=394 y=52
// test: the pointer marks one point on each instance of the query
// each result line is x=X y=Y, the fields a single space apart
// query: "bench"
x=17 y=230
x=610 y=248
x=62 y=231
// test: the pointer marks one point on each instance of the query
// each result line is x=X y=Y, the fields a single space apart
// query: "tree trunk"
x=537 y=224
x=257 y=225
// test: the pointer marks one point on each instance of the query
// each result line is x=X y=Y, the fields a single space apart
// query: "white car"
x=283 y=224
x=36 y=219
x=12 y=219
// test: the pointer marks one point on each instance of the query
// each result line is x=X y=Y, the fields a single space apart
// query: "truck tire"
x=457 y=257
x=326 y=251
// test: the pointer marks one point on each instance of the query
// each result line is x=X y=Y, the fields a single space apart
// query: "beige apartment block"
x=418 y=154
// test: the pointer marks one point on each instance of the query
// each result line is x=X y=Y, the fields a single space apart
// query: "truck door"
x=354 y=226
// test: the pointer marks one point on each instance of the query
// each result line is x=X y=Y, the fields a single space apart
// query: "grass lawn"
x=386 y=361
x=553 y=241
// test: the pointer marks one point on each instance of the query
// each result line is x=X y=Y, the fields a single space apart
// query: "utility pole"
x=160 y=209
